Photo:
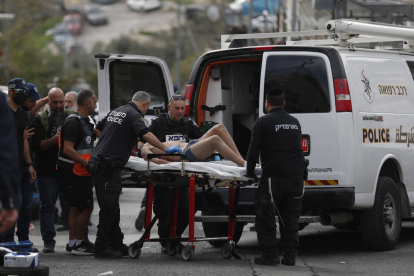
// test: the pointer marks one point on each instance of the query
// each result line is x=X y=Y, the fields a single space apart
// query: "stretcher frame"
x=173 y=243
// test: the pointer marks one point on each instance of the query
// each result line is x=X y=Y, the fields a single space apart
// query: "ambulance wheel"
x=171 y=249
x=381 y=225
x=134 y=253
x=220 y=229
x=227 y=250
x=40 y=270
x=187 y=253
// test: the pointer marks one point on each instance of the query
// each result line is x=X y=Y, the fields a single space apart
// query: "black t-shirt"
x=277 y=137
x=72 y=131
x=121 y=129
x=45 y=164
x=20 y=123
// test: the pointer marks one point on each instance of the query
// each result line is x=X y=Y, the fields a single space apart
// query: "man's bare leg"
x=205 y=147
x=72 y=222
x=82 y=222
x=221 y=131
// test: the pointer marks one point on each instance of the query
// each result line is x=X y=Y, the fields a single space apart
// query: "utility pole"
x=249 y=30
x=178 y=47
x=7 y=39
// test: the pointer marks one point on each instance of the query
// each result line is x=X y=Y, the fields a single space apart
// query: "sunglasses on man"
x=21 y=90
x=176 y=98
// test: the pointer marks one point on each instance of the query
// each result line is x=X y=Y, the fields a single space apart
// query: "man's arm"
x=100 y=126
x=73 y=155
x=48 y=143
x=146 y=149
x=28 y=159
x=39 y=104
x=151 y=139
x=98 y=132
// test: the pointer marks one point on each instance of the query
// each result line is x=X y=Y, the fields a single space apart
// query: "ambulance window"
x=126 y=78
x=411 y=67
x=304 y=81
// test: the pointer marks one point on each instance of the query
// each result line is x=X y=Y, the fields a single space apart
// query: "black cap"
x=17 y=83
x=275 y=91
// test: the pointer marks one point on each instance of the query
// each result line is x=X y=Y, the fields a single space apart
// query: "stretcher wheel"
x=171 y=249
x=227 y=250
x=134 y=253
x=187 y=253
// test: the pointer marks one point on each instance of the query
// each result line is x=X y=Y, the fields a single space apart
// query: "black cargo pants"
x=163 y=198
x=108 y=189
x=287 y=195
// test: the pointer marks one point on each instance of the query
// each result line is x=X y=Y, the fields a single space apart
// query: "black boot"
x=267 y=260
x=288 y=260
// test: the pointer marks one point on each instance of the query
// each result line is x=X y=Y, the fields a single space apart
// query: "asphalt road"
x=123 y=21
x=324 y=251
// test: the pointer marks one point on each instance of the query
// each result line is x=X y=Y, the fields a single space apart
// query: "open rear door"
x=120 y=76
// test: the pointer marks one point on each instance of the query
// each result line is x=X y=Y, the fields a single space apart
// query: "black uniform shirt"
x=121 y=129
x=20 y=123
x=185 y=126
x=277 y=137
x=45 y=164
x=9 y=170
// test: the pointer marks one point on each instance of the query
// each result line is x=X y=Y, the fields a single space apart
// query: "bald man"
x=45 y=143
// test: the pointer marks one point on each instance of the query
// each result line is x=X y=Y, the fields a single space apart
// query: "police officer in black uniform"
x=277 y=136
x=119 y=132
x=172 y=126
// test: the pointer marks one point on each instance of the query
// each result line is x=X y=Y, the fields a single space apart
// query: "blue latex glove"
x=216 y=158
x=174 y=149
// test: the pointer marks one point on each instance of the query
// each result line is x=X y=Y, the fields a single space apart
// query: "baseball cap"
x=17 y=83
x=32 y=92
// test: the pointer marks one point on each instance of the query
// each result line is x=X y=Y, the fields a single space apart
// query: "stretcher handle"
x=156 y=155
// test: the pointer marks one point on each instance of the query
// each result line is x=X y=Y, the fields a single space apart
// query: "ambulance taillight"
x=342 y=96
x=188 y=95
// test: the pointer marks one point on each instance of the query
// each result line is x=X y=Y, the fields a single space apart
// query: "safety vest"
x=84 y=149
x=182 y=127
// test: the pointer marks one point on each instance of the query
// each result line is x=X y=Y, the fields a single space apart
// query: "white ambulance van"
x=355 y=106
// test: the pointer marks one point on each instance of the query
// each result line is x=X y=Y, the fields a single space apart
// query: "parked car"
x=94 y=15
x=74 y=23
x=4 y=89
x=143 y=5
x=104 y=1
x=262 y=24
x=63 y=38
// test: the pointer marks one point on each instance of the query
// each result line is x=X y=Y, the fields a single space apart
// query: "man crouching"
x=75 y=147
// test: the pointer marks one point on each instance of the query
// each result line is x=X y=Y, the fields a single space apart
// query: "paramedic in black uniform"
x=119 y=132
x=171 y=126
x=276 y=137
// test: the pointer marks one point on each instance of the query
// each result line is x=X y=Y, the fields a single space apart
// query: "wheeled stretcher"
x=208 y=175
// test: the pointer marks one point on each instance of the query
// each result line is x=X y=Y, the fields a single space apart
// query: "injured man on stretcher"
x=216 y=139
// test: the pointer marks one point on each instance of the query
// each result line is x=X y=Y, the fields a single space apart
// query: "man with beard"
x=17 y=96
x=70 y=100
x=45 y=143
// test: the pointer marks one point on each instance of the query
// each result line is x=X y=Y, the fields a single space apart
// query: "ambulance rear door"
x=121 y=76
x=307 y=81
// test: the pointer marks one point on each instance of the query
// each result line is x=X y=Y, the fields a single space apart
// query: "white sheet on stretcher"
x=220 y=169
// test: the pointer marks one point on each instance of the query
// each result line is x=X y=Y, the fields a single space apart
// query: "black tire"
x=40 y=270
x=381 y=229
x=220 y=229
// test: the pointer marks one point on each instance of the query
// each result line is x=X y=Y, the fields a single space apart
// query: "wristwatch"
x=28 y=164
